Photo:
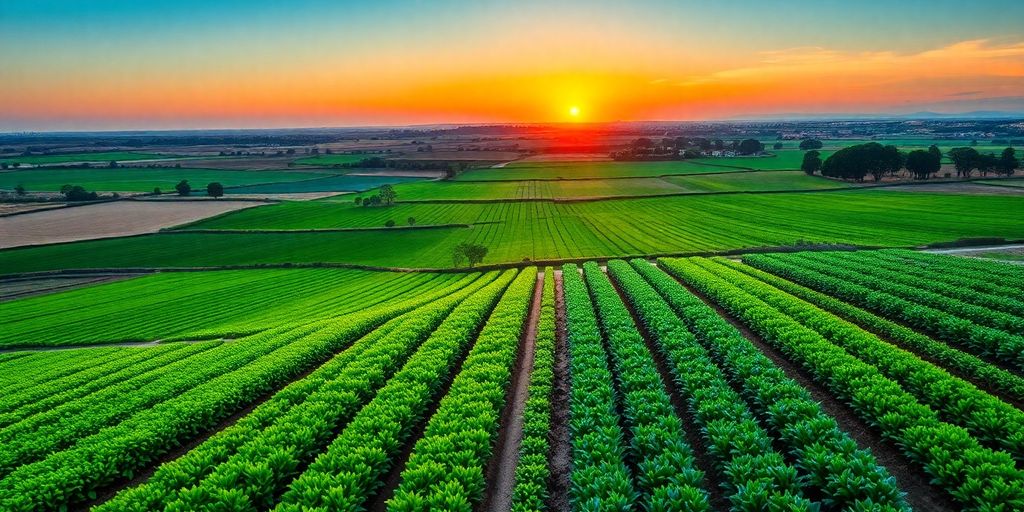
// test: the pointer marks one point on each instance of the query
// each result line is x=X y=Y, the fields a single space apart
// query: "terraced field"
x=680 y=384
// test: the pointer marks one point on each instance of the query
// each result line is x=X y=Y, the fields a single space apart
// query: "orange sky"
x=519 y=69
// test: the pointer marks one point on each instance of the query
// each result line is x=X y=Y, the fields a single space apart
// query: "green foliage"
x=600 y=478
x=352 y=465
x=531 y=478
x=758 y=476
x=447 y=464
x=955 y=459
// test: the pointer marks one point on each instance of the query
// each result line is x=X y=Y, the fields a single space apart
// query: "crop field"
x=332 y=183
x=141 y=179
x=540 y=231
x=328 y=160
x=781 y=160
x=754 y=181
x=676 y=384
x=517 y=171
x=99 y=156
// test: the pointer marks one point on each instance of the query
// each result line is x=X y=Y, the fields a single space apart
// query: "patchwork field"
x=334 y=183
x=588 y=170
x=142 y=179
x=514 y=231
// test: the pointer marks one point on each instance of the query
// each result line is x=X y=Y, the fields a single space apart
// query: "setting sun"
x=574 y=111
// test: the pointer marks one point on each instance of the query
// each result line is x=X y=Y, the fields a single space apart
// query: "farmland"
x=517 y=171
x=543 y=230
x=141 y=179
x=98 y=156
x=395 y=390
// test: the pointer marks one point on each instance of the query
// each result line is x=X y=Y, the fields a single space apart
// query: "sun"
x=574 y=111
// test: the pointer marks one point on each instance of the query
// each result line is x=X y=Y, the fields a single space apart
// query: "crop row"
x=975 y=476
x=250 y=463
x=116 y=452
x=918 y=291
x=355 y=463
x=446 y=469
x=755 y=474
x=987 y=418
x=981 y=340
x=44 y=367
x=600 y=478
x=666 y=473
x=829 y=460
x=952 y=282
x=967 y=365
x=1008 y=274
x=204 y=305
x=53 y=394
x=532 y=472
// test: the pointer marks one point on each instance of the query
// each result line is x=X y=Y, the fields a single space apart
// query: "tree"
x=19 y=189
x=935 y=152
x=359 y=201
x=411 y=221
x=157 y=191
x=811 y=163
x=807 y=144
x=964 y=160
x=749 y=147
x=77 y=193
x=112 y=164
x=777 y=145
x=387 y=194
x=892 y=161
x=3 y=165
x=390 y=223
x=215 y=190
x=471 y=253
x=922 y=164
x=987 y=163
x=183 y=188
x=1008 y=162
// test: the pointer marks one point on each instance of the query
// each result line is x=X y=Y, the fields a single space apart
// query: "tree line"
x=681 y=148
x=875 y=160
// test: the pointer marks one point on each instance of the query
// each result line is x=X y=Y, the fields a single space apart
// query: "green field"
x=101 y=156
x=546 y=230
x=141 y=179
x=754 y=182
x=586 y=170
x=328 y=160
x=199 y=305
x=333 y=183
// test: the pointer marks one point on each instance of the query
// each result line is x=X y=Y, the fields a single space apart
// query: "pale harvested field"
x=107 y=220
x=957 y=188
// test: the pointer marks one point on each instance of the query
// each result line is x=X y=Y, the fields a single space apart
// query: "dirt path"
x=560 y=458
x=501 y=473
x=921 y=494
x=968 y=250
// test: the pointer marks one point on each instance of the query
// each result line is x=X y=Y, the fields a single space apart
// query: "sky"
x=160 y=64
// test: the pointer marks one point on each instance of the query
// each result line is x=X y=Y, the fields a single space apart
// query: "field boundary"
x=969 y=242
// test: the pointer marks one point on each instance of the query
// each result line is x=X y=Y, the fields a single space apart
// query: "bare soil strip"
x=703 y=459
x=921 y=494
x=502 y=467
x=560 y=458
